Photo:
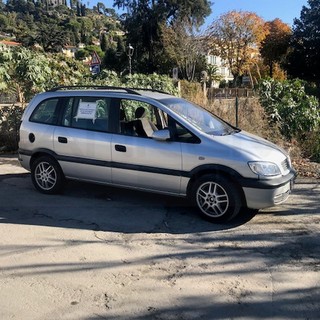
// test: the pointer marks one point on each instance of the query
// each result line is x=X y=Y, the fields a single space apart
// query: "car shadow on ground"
x=103 y=208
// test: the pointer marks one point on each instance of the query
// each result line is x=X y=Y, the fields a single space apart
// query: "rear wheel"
x=216 y=197
x=47 y=175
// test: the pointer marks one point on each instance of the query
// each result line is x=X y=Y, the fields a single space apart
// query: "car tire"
x=47 y=176
x=216 y=197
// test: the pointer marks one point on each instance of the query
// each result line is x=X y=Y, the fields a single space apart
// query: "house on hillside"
x=70 y=51
x=55 y=3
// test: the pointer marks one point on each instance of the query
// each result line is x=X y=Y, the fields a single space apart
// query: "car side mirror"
x=161 y=135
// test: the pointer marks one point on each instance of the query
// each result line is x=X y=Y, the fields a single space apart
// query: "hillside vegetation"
x=163 y=36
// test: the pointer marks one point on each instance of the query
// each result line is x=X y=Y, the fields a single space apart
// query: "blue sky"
x=286 y=10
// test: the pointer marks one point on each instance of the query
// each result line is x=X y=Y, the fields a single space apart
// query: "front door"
x=137 y=159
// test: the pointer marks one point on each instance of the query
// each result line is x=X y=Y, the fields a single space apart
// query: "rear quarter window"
x=46 y=112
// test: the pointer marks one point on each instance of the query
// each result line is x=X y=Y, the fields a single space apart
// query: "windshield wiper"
x=230 y=131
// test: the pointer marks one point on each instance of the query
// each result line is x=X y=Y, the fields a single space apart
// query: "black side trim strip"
x=110 y=164
x=126 y=166
x=170 y=172
x=25 y=152
x=93 y=162
x=244 y=182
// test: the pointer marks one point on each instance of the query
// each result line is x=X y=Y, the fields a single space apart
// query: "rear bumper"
x=266 y=193
x=24 y=161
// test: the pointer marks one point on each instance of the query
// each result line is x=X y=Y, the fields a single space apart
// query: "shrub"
x=297 y=114
x=288 y=104
x=10 y=117
x=192 y=91
x=151 y=81
x=311 y=145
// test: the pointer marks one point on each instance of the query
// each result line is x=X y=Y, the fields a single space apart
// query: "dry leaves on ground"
x=306 y=168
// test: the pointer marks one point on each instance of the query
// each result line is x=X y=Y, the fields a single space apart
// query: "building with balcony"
x=222 y=69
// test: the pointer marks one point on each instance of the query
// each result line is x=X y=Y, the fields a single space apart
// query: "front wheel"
x=216 y=197
x=47 y=175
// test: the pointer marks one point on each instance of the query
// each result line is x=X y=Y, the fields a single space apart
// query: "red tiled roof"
x=10 y=43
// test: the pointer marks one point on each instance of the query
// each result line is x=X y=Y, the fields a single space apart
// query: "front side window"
x=141 y=119
x=46 y=112
x=180 y=133
x=138 y=118
x=88 y=113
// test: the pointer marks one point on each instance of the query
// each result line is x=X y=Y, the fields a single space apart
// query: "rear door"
x=83 y=141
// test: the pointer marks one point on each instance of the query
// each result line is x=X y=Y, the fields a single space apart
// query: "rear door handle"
x=120 y=148
x=62 y=140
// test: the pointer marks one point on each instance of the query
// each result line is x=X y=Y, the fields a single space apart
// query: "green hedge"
x=295 y=112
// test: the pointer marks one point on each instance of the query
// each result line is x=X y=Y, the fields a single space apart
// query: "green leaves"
x=288 y=105
x=28 y=72
x=151 y=81
x=146 y=21
x=25 y=72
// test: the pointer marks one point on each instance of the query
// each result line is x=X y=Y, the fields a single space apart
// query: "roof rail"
x=147 y=89
x=128 y=90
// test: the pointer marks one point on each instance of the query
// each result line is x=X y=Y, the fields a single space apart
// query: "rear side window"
x=46 y=112
x=88 y=113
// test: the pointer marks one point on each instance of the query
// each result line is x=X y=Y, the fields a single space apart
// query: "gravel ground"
x=105 y=253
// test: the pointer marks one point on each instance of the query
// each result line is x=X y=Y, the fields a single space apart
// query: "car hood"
x=252 y=147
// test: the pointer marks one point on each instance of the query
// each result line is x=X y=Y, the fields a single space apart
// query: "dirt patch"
x=105 y=253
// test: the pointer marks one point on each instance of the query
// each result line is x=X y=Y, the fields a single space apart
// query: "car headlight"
x=264 y=168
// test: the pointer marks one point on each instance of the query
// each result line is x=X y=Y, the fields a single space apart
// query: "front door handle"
x=120 y=148
x=62 y=140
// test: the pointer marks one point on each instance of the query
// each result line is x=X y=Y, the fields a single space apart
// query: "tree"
x=116 y=59
x=276 y=44
x=101 y=8
x=3 y=22
x=213 y=74
x=66 y=71
x=86 y=29
x=103 y=42
x=236 y=37
x=304 y=59
x=184 y=49
x=83 y=10
x=51 y=37
x=145 y=19
x=23 y=72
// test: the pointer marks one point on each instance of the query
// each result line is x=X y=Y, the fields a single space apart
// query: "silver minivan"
x=150 y=141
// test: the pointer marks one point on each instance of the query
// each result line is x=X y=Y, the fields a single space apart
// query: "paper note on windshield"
x=87 y=110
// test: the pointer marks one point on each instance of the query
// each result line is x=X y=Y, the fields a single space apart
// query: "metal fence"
x=229 y=93
x=6 y=98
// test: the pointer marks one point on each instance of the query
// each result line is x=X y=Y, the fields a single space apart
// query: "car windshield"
x=199 y=117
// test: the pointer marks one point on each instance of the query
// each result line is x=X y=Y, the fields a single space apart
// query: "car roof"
x=120 y=92
x=151 y=93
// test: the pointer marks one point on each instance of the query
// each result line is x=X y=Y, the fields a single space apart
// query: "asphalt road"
x=105 y=253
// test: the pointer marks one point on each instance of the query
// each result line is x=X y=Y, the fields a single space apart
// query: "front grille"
x=285 y=164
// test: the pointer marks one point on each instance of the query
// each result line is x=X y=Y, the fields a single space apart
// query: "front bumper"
x=266 y=193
